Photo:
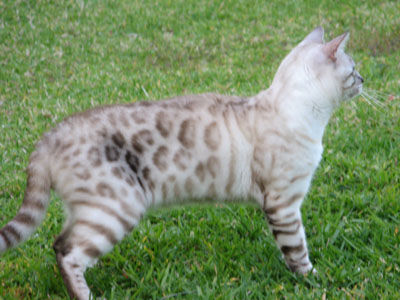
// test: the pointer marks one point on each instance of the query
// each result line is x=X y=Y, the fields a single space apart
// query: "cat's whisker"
x=383 y=96
x=366 y=99
x=376 y=91
x=373 y=93
x=379 y=94
x=373 y=101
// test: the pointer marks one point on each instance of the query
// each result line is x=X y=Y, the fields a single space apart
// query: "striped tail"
x=34 y=206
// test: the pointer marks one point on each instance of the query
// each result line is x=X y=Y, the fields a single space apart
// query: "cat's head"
x=321 y=69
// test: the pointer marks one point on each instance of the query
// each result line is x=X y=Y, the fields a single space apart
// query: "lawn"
x=61 y=57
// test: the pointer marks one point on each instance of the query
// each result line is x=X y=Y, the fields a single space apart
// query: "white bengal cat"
x=110 y=164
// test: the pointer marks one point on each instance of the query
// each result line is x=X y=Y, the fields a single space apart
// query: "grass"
x=61 y=57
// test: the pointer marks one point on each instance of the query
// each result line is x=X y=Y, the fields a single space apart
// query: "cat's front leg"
x=285 y=222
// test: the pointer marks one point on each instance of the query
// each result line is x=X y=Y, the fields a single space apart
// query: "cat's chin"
x=359 y=90
x=354 y=94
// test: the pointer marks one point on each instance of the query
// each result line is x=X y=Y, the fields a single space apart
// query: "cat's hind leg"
x=72 y=263
x=95 y=224
x=285 y=222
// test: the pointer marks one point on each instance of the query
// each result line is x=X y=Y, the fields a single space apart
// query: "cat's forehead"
x=346 y=61
x=352 y=62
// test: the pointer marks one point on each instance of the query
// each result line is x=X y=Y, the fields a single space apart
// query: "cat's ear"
x=339 y=43
x=315 y=36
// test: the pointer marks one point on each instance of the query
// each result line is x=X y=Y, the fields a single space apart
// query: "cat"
x=110 y=164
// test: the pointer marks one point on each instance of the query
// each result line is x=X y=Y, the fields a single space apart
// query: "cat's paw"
x=303 y=269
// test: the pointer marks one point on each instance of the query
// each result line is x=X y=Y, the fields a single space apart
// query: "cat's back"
x=146 y=112
x=163 y=116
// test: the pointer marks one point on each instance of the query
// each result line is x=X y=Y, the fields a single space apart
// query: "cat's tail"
x=36 y=201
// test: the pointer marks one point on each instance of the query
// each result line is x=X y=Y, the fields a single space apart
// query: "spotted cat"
x=110 y=164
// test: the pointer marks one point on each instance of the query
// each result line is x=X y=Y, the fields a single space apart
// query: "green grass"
x=61 y=57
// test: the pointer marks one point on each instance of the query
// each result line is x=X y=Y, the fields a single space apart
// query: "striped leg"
x=72 y=262
x=285 y=223
x=95 y=224
x=78 y=248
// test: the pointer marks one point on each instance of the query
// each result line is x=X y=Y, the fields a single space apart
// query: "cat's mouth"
x=357 y=91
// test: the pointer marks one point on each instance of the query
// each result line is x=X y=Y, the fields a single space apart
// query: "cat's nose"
x=362 y=79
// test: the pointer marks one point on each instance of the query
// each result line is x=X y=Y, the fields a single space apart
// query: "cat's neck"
x=298 y=109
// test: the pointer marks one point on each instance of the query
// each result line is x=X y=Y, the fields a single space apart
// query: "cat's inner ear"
x=339 y=43
x=315 y=36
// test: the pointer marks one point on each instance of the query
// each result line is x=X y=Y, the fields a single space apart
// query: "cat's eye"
x=352 y=74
